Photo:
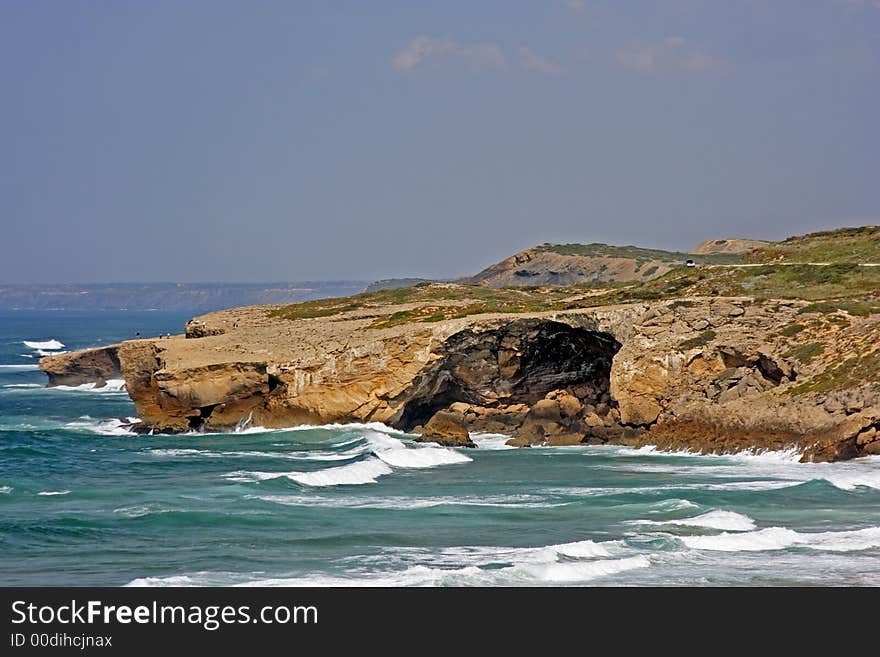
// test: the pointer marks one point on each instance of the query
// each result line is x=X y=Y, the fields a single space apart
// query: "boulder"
x=443 y=430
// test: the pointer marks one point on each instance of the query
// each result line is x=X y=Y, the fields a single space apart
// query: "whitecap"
x=173 y=580
x=393 y=452
x=139 y=511
x=350 y=426
x=726 y=520
x=673 y=504
x=48 y=493
x=571 y=572
x=599 y=491
x=581 y=549
x=43 y=352
x=24 y=385
x=109 y=427
x=491 y=441
x=5 y=490
x=111 y=385
x=582 y=572
x=11 y=366
x=780 y=538
x=305 y=455
x=406 y=503
x=362 y=472
x=48 y=344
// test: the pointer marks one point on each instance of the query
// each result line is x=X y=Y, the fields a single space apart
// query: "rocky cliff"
x=704 y=373
x=573 y=264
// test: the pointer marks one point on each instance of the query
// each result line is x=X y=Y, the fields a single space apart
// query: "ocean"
x=85 y=503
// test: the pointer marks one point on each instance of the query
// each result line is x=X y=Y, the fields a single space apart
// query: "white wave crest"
x=404 y=503
x=350 y=426
x=11 y=366
x=853 y=478
x=312 y=455
x=726 y=520
x=43 y=352
x=580 y=549
x=48 y=493
x=47 y=344
x=24 y=385
x=780 y=538
x=491 y=440
x=362 y=472
x=5 y=490
x=140 y=511
x=571 y=572
x=111 y=385
x=393 y=452
x=582 y=572
x=673 y=504
x=110 y=427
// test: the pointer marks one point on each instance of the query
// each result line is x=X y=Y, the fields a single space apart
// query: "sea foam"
x=726 y=520
x=111 y=385
x=48 y=344
x=781 y=538
x=393 y=452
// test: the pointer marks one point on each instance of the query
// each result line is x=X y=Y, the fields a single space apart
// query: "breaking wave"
x=726 y=520
x=53 y=345
x=111 y=385
x=781 y=538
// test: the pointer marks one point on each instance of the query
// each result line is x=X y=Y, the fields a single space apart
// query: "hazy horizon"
x=289 y=142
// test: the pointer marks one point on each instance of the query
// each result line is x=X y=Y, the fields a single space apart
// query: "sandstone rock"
x=569 y=406
x=546 y=409
x=443 y=430
x=565 y=439
x=493 y=372
x=593 y=420
x=871 y=449
x=869 y=435
x=79 y=367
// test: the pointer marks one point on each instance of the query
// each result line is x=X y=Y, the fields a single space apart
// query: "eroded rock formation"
x=708 y=374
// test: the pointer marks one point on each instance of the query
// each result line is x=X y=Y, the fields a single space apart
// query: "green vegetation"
x=851 y=372
x=703 y=339
x=641 y=255
x=804 y=352
x=840 y=287
x=851 y=307
x=436 y=302
x=791 y=330
x=852 y=245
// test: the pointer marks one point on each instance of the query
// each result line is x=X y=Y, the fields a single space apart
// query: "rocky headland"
x=713 y=358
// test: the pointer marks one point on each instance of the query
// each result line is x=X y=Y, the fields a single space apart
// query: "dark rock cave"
x=518 y=363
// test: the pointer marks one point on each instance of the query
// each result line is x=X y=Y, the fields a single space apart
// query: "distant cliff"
x=189 y=297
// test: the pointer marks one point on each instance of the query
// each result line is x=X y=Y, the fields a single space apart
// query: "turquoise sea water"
x=82 y=502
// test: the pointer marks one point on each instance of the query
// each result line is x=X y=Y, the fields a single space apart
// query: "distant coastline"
x=188 y=297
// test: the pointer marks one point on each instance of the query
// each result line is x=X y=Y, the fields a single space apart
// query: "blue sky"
x=259 y=141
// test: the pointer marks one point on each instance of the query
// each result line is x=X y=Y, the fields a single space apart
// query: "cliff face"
x=711 y=374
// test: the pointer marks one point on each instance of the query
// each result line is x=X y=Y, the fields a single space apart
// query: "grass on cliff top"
x=807 y=282
x=436 y=302
x=851 y=372
x=847 y=287
x=855 y=245
x=597 y=250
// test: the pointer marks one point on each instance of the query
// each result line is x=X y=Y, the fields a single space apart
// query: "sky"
x=312 y=140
